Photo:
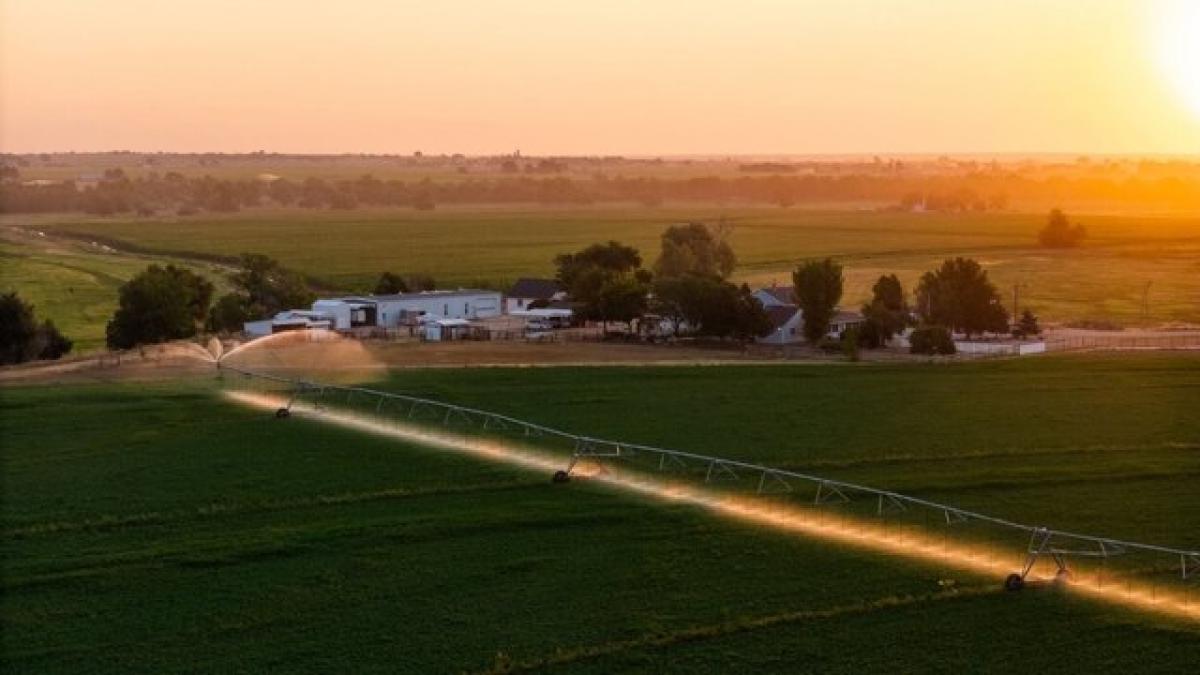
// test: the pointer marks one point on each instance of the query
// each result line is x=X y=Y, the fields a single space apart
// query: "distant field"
x=1104 y=280
x=212 y=538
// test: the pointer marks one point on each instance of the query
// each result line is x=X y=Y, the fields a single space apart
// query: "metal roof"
x=401 y=297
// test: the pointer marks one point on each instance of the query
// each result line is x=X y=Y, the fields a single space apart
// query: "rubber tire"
x=561 y=477
x=282 y=413
x=1014 y=582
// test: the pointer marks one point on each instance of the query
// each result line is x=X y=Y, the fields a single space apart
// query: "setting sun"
x=1179 y=49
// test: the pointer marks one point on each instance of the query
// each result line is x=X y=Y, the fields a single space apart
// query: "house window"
x=520 y=302
x=446 y=310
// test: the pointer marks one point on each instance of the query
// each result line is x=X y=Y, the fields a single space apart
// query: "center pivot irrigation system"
x=1043 y=542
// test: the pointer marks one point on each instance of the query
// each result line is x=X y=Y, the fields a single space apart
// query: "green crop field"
x=1104 y=280
x=161 y=528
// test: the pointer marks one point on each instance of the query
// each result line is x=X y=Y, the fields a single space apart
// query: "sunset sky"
x=611 y=77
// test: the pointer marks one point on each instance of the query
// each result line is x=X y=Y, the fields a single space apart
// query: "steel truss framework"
x=1059 y=545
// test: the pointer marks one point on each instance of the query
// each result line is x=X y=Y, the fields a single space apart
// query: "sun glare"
x=1178 y=44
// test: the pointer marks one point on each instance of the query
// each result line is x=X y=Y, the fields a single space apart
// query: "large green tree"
x=263 y=288
x=886 y=314
x=269 y=286
x=710 y=306
x=692 y=248
x=160 y=304
x=960 y=296
x=22 y=338
x=230 y=313
x=818 y=288
x=606 y=280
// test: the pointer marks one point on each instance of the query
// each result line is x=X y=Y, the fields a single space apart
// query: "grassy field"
x=157 y=527
x=76 y=285
x=1104 y=280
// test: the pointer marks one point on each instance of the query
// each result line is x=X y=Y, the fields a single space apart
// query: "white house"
x=843 y=320
x=528 y=290
x=787 y=320
x=786 y=325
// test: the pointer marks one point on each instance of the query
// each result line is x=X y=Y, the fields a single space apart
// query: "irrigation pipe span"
x=1043 y=541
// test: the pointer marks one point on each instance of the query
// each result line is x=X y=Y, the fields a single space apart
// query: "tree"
x=613 y=257
x=230 y=313
x=269 y=287
x=959 y=295
x=1027 y=326
x=621 y=299
x=22 y=338
x=1059 y=233
x=676 y=299
x=886 y=314
x=160 y=304
x=711 y=307
x=818 y=289
x=931 y=340
x=693 y=249
x=390 y=283
x=604 y=278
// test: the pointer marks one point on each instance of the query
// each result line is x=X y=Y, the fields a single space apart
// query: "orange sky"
x=612 y=77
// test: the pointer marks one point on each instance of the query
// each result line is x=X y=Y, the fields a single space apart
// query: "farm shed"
x=285 y=321
x=347 y=313
x=441 y=330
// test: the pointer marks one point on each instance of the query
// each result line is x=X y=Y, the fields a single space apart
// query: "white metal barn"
x=405 y=309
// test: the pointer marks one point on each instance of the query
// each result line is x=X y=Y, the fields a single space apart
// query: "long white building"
x=384 y=311
x=406 y=309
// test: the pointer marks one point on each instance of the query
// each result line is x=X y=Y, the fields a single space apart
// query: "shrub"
x=931 y=340
x=830 y=344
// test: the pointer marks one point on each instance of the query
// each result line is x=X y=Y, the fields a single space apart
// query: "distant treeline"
x=173 y=193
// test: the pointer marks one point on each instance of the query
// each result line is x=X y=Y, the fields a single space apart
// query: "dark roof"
x=783 y=294
x=538 y=289
x=781 y=314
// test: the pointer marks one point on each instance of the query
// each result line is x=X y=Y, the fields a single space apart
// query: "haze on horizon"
x=619 y=77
